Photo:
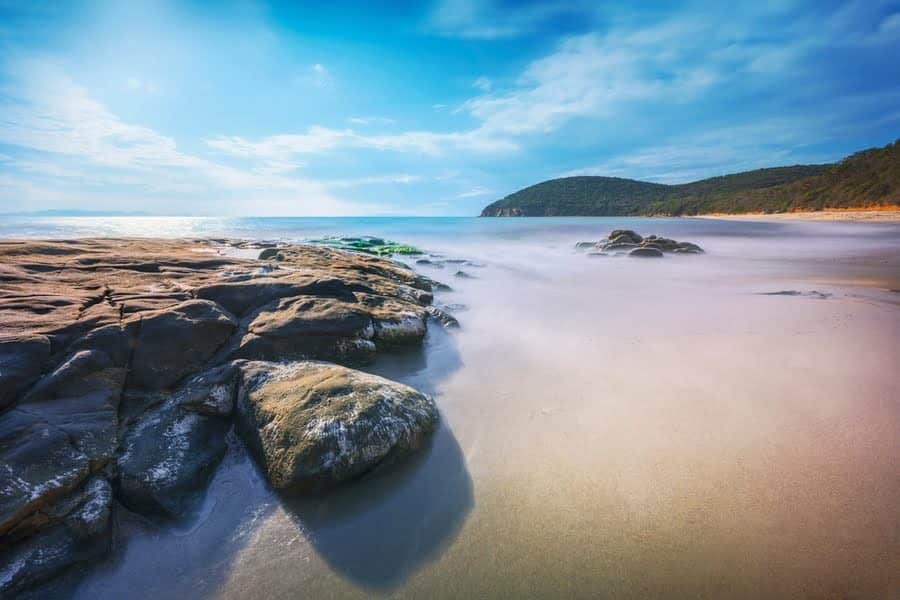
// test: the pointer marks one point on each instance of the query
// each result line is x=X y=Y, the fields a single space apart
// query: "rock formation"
x=637 y=245
x=122 y=363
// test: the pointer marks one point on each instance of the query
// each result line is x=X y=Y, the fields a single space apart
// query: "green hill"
x=869 y=178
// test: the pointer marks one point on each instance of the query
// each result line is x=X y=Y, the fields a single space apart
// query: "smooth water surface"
x=611 y=427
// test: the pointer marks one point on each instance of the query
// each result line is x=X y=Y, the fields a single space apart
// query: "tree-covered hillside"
x=866 y=179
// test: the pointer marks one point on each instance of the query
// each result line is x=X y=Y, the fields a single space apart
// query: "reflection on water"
x=610 y=428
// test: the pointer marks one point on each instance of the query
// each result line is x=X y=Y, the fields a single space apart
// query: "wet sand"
x=611 y=427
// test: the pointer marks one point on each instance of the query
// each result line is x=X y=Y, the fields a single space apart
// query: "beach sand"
x=715 y=426
x=883 y=214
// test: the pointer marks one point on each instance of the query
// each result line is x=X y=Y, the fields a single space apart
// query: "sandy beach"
x=715 y=425
x=883 y=215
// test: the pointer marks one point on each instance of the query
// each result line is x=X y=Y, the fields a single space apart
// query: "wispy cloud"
x=483 y=83
x=73 y=133
x=491 y=20
x=371 y=121
x=401 y=178
x=317 y=139
x=474 y=192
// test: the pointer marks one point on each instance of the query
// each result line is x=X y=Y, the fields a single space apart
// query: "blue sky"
x=266 y=108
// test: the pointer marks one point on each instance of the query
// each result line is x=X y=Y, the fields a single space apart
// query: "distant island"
x=867 y=179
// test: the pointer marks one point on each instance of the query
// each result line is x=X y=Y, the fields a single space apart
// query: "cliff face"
x=865 y=179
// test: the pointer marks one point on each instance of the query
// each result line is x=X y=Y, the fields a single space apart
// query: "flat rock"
x=313 y=425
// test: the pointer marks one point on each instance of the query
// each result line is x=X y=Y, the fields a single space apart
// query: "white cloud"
x=80 y=141
x=401 y=178
x=474 y=192
x=483 y=83
x=767 y=143
x=592 y=76
x=371 y=121
x=283 y=148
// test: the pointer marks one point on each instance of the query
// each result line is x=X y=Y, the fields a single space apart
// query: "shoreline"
x=878 y=215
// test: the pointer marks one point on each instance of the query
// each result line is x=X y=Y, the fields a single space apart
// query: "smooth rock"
x=313 y=425
x=80 y=532
x=646 y=253
x=169 y=456
x=177 y=341
x=22 y=359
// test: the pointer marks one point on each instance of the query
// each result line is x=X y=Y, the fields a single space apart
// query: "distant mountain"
x=870 y=178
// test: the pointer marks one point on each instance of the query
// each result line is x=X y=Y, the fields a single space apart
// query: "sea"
x=721 y=425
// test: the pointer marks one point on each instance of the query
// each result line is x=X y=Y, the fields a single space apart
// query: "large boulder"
x=176 y=341
x=312 y=425
x=170 y=453
x=650 y=246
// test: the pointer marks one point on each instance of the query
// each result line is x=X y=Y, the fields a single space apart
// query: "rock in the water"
x=39 y=464
x=625 y=235
x=313 y=425
x=170 y=453
x=114 y=367
x=442 y=316
x=646 y=252
x=169 y=456
x=401 y=329
x=78 y=530
x=625 y=239
x=174 y=342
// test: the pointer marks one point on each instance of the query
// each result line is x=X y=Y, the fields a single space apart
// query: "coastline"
x=879 y=215
x=743 y=423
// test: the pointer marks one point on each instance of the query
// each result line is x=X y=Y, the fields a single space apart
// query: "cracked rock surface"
x=124 y=363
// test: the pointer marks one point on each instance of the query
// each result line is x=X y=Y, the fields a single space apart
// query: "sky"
x=428 y=108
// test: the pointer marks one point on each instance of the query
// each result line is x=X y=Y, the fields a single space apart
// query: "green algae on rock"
x=368 y=245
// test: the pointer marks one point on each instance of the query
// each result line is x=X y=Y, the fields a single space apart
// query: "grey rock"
x=442 y=316
x=22 y=359
x=168 y=457
x=79 y=532
x=177 y=341
x=646 y=253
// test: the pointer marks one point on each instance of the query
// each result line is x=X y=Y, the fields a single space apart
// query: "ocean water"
x=610 y=427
